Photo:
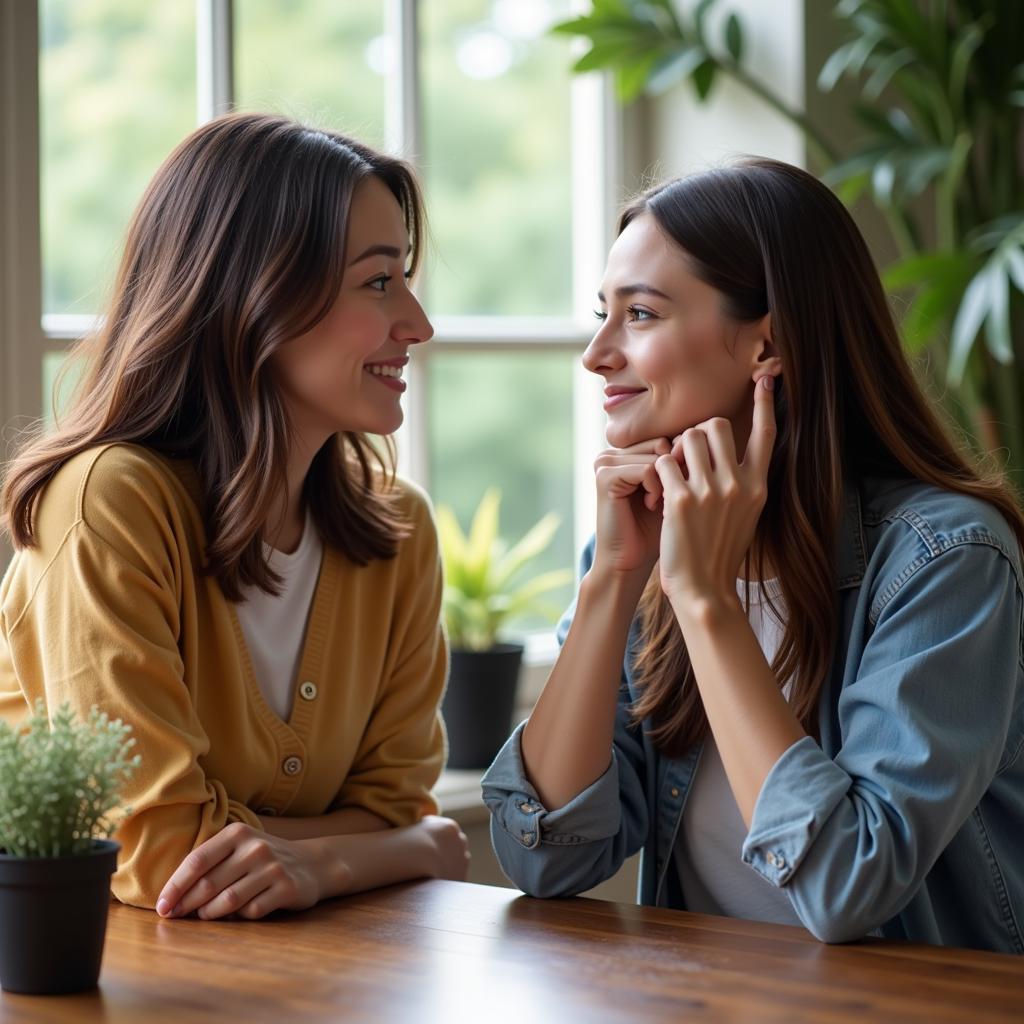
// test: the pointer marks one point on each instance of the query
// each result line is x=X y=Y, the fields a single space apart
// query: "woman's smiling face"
x=669 y=355
x=346 y=372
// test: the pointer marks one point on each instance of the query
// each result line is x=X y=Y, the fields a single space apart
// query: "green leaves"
x=986 y=300
x=938 y=281
x=58 y=785
x=972 y=287
x=734 y=38
x=481 y=592
x=650 y=48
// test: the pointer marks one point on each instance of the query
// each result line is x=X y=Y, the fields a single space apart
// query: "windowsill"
x=458 y=793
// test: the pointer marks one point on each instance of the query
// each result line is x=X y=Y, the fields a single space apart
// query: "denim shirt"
x=907 y=819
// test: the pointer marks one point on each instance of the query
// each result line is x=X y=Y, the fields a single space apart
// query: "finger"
x=211 y=885
x=264 y=903
x=200 y=861
x=698 y=458
x=612 y=458
x=722 y=446
x=673 y=482
x=652 y=488
x=234 y=897
x=762 y=432
x=622 y=481
x=655 y=446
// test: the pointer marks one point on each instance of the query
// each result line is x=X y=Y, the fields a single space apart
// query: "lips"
x=388 y=372
x=617 y=394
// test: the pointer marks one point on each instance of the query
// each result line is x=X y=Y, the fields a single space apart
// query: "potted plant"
x=484 y=588
x=57 y=787
x=940 y=103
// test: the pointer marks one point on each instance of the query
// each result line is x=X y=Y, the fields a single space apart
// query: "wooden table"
x=453 y=953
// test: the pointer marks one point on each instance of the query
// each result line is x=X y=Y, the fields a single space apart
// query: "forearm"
x=567 y=742
x=751 y=721
x=345 y=821
x=348 y=864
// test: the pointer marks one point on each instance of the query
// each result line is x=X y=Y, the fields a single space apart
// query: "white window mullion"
x=402 y=97
x=215 y=91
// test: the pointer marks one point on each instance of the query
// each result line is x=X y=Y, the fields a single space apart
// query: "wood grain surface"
x=445 y=951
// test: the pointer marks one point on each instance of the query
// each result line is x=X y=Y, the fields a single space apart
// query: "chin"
x=622 y=435
x=389 y=426
x=615 y=438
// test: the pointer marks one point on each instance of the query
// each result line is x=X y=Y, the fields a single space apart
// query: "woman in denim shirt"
x=792 y=678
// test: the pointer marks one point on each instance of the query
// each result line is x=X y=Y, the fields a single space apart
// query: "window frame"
x=28 y=334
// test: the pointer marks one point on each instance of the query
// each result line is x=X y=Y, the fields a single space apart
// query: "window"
x=511 y=152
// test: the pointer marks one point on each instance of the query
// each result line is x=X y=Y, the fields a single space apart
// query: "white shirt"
x=707 y=853
x=275 y=626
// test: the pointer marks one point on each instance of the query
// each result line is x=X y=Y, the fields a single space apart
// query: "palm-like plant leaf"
x=483 y=536
x=480 y=594
x=536 y=539
x=453 y=546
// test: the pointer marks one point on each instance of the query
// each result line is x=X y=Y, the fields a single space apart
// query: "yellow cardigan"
x=111 y=609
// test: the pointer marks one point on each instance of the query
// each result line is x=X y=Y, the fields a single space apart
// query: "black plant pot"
x=478 y=703
x=53 y=919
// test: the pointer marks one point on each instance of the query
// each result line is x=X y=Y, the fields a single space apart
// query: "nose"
x=603 y=353
x=414 y=327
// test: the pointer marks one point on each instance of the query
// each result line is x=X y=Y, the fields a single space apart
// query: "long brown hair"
x=770 y=237
x=236 y=247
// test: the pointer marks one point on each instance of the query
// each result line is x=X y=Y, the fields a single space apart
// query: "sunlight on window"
x=117 y=93
x=497 y=158
x=505 y=420
x=318 y=61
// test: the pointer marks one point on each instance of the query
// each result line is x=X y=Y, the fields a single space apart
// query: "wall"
x=686 y=135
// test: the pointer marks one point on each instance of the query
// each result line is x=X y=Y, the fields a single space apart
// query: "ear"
x=764 y=353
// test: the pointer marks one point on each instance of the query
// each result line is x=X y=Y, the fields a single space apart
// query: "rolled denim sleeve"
x=583 y=843
x=923 y=724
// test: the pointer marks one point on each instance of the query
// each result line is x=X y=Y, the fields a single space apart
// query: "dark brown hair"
x=236 y=247
x=771 y=238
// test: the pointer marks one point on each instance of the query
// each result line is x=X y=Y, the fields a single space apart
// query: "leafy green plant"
x=941 y=105
x=58 y=785
x=484 y=584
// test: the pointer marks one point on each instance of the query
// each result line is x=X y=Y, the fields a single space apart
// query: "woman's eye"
x=379 y=284
x=638 y=315
x=600 y=314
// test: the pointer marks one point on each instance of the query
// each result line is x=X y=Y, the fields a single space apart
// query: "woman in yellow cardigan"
x=209 y=548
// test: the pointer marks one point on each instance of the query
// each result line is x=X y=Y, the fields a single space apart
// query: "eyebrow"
x=378 y=250
x=639 y=288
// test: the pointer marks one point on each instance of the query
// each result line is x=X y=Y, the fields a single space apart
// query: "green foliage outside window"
x=117 y=93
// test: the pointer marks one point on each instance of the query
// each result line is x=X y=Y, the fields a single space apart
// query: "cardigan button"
x=266 y=812
x=307 y=691
x=292 y=765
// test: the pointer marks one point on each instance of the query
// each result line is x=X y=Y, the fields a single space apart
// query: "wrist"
x=332 y=867
x=624 y=588
x=706 y=610
x=426 y=852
